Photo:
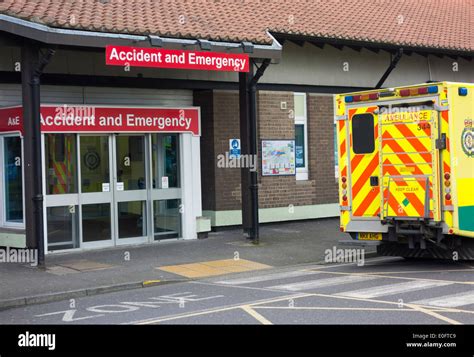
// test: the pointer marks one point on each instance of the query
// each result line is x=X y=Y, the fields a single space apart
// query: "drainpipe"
x=253 y=149
x=32 y=67
x=393 y=63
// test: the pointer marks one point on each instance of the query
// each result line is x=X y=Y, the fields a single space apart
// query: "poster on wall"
x=278 y=157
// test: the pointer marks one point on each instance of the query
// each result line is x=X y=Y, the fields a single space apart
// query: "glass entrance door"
x=96 y=193
x=130 y=188
x=113 y=189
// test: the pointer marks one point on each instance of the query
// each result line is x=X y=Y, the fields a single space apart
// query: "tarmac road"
x=384 y=290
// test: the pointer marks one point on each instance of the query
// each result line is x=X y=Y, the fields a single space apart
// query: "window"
x=167 y=219
x=63 y=227
x=301 y=134
x=12 y=180
x=60 y=153
x=363 y=133
x=165 y=158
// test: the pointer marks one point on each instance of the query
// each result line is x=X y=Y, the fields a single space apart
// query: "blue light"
x=462 y=91
x=349 y=99
x=433 y=89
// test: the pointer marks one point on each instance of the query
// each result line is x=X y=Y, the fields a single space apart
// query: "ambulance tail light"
x=447 y=184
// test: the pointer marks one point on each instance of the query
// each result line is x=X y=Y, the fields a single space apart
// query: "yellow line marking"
x=434 y=314
x=256 y=315
x=430 y=310
x=399 y=277
x=220 y=309
x=149 y=282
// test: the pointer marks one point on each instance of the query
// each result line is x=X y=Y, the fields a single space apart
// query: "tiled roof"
x=440 y=24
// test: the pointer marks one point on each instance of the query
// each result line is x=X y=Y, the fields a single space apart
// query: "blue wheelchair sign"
x=234 y=148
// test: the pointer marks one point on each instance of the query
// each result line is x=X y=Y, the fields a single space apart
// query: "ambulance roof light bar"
x=361 y=97
x=418 y=91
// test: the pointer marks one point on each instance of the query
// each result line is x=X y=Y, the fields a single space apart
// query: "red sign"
x=180 y=59
x=90 y=119
x=11 y=119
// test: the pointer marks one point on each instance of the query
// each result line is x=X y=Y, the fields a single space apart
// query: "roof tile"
x=445 y=24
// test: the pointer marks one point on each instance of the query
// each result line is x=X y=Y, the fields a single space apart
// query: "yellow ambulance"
x=406 y=169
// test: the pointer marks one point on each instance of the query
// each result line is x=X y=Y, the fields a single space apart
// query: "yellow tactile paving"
x=213 y=267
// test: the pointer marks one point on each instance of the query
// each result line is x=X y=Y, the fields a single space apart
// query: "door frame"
x=96 y=197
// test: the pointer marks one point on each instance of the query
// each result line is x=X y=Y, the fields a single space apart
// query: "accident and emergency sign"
x=178 y=59
x=83 y=118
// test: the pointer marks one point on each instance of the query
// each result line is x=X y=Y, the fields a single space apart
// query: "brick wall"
x=226 y=126
x=220 y=118
x=321 y=147
x=275 y=123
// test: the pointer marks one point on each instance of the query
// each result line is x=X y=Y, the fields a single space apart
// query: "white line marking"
x=392 y=289
x=455 y=300
x=256 y=279
x=320 y=283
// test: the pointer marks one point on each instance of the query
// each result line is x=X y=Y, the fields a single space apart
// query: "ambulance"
x=406 y=169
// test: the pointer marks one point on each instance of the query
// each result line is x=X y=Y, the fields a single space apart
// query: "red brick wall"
x=275 y=123
x=321 y=147
x=226 y=126
x=220 y=117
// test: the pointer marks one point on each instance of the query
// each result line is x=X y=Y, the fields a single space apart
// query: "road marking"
x=399 y=277
x=434 y=314
x=393 y=289
x=441 y=309
x=214 y=310
x=320 y=283
x=332 y=308
x=256 y=279
x=324 y=265
x=420 y=271
x=455 y=300
x=256 y=315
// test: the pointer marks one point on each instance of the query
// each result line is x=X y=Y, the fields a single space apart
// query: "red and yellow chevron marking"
x=407 y=151
x=341 y=130
x=365 y=198
x=446 y=166
x=63 y=170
